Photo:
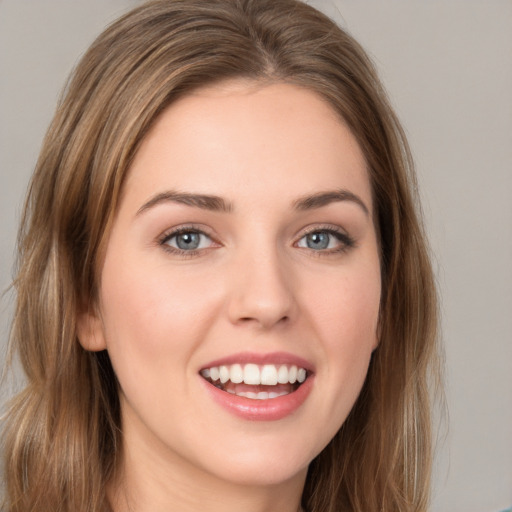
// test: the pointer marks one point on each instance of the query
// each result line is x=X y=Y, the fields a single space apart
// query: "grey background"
x=448 y=68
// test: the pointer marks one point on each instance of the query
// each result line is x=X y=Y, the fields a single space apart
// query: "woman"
x=224 y=295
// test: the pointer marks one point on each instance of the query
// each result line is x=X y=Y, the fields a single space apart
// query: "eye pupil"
x=318 y=240
x=188 y=241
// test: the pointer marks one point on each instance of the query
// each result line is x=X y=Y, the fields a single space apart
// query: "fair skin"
x=277 y=267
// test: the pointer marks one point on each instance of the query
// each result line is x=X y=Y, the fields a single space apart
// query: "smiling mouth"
x=258 y=382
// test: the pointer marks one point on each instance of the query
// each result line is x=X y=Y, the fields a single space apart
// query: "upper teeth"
x=268 y=374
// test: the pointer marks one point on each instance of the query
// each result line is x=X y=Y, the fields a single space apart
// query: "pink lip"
x=260 y=359
x=271 y=409
x=261 y=410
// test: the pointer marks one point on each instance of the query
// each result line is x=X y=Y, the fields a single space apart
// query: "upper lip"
x=261 y=359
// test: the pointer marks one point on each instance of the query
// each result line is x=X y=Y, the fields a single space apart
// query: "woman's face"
x=240 y=288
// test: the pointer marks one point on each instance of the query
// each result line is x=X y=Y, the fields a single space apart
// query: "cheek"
x=346 y=319
x=342 y=309
x=153 y=318
x=347 y=310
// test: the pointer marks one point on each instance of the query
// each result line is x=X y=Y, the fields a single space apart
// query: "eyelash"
x=169 y=235
x=346 y=241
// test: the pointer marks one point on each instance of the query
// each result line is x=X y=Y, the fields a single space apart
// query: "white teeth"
x=224 y=374
x=269 y=375
x=282 y=375
x=247 y=394
x=236 y=374
x=252 y=374
x=214 y=373
x=262 y=395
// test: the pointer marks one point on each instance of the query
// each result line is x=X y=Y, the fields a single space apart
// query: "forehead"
x=240 y=139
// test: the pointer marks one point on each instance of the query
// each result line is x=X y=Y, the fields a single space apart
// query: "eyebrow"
x=320 y=199
x=203 y=201
x=218 y=204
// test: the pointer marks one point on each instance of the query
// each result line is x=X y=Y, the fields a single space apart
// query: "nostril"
x=264 y=321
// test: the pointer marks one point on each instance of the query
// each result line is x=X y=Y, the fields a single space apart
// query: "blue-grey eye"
x=320 y=240
x=188 y=241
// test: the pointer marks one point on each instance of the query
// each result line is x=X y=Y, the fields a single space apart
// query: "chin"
x=264 y=464
x=263 y=473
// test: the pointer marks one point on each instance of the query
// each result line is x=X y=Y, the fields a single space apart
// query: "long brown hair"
x=62 y=431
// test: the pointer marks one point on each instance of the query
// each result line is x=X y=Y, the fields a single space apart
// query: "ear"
x=90 y=330
x=378 y=333
x=376 y=343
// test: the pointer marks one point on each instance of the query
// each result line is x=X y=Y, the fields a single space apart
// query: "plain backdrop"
x=447 y=65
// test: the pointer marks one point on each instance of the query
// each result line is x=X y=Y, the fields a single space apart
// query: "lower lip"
x=271 y=409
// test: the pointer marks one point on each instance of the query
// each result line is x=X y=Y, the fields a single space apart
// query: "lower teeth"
x=262 y=395
x=255 y=395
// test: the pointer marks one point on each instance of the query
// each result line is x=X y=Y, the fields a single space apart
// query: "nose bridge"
x=261 y=286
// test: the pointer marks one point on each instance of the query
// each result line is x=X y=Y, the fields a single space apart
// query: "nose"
x=261 y=291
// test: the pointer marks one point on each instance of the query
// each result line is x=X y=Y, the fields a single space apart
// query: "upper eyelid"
x=205 y=230
x=313 y=228
x=169 y=234
x=184 y=228
x=344 y=238
x=178 y=232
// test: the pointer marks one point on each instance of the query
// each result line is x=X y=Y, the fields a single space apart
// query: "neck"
x=135 y=492
x=150 y=480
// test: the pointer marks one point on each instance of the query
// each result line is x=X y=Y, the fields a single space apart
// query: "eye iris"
x=318 y=240
x=188 y=241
